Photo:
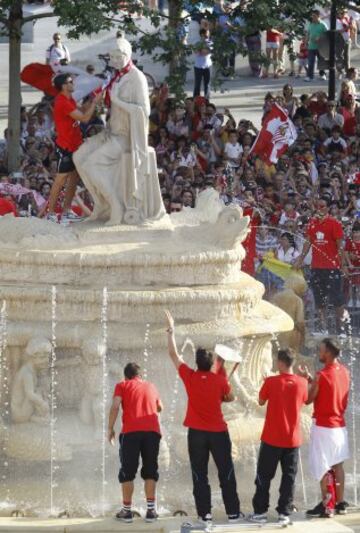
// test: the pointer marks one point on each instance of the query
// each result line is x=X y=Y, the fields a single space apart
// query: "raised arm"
x=172 y=349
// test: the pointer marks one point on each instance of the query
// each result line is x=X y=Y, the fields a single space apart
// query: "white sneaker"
x=206 y=521
x=308 y=79
x=284 y=520
x=323 y=77
x=236 y=518
x=52 y=217
x=258 y=518
x=70 y=216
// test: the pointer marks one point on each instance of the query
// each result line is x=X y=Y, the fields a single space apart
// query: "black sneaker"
x=318 y=511
x=341 y=507
x=151 y=515
x=124 y=516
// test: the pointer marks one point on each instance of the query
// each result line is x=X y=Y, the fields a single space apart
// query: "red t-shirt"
x=139 y=401
x=285 y=395
x=7 y=206
x=272 y=37
x=332 y=398
x=205 y=392
x=68 y=132
x=323 y=234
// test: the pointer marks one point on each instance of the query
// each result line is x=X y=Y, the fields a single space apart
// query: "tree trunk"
x=175 y=10
x=15 y=26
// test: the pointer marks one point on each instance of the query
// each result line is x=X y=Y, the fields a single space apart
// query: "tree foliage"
x=163 y=40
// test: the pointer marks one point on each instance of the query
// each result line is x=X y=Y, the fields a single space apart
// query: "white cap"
x=228 y=354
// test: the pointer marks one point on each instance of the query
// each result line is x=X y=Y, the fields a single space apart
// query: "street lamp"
x=332 y=52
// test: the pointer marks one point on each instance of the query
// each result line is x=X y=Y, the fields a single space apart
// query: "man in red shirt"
x=67 y=117
x=328 y=438
x=140 y=435
x=285 y=394
x=325 y=238
x=207 y=434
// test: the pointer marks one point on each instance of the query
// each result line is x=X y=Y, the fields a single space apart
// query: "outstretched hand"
x=169 y=320
x=304 y=372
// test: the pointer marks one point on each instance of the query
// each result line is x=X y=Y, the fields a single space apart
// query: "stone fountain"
x=80 y=302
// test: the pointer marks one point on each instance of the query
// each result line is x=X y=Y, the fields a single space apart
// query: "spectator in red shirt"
x=325 y=235
x=7 y=206
x=140 y=435
x=329 y=448
x=207 y=433
x=68 y=139
x=285 y=394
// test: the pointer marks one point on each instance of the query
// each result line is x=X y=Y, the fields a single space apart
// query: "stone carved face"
x=38 y=352
x=120 y=57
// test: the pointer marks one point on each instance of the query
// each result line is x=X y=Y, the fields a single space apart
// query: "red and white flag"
x=276 y=135
x=354 y=179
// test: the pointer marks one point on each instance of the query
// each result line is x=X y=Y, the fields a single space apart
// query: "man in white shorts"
x=329 y=448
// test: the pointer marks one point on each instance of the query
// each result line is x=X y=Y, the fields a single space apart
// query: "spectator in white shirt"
x=203 y=63
x=233 y=150
x=289 y=213
x=57 y=53
x=335 y=143
x=287 y=252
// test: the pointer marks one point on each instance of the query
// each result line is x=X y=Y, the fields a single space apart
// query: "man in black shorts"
x=325 y=235
x=67 y=117
x=140 y=435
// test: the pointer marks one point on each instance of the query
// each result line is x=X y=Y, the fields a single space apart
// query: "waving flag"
x=277 y=134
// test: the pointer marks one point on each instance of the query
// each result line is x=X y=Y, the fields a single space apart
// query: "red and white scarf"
x=116 y=77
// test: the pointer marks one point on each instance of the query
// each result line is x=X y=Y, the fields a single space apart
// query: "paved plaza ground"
x=348 y=524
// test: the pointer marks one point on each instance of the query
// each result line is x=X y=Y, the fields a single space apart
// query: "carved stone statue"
x=27 y=400
x=117 y=166
x=90 y=412
x=290 y=300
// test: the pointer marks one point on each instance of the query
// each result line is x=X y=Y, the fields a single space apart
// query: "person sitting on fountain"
x=27 y=403
x=140 y=435
x=207 y=433
x=117 y=166
x=67 y=117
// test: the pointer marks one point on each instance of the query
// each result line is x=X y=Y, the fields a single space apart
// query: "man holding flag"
x=276 y=135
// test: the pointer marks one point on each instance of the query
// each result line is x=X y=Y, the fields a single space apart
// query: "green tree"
x=164 y=41
x=79 y=16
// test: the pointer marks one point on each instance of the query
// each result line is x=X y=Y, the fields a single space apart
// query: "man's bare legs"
x=340 y=483
x=127 y=490
x=150 y=489
x=59 y=182
x=72 y=181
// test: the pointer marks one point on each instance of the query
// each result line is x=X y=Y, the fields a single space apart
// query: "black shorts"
x=327 y=287
x=133 y=445
x=65 y=161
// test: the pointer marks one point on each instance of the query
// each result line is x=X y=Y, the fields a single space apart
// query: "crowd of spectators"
x=199 y=146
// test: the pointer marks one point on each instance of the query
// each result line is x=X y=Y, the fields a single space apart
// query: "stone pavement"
x=244 y=95
x=347 y=524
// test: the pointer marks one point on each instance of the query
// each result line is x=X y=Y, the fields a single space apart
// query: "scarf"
x=116 y=77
